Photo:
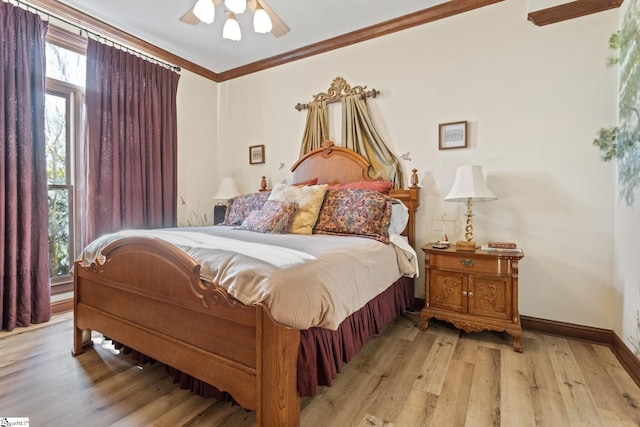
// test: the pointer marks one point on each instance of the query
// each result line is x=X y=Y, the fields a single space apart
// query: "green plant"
x=622 y=143
x=606 y=142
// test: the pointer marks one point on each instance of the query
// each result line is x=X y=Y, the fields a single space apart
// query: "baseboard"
x=626 y=357
x=567 y=330
x=61 y=306
x=607 y=337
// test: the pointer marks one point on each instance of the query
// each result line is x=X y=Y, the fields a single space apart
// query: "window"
x=64 y=104
x=60 y=186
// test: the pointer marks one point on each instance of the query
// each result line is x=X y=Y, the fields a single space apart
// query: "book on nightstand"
x=502 y=245
x=513 y=250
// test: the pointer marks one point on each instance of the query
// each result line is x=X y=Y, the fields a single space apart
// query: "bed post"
x=411 y=198
x=277 y=357
x=81 y=337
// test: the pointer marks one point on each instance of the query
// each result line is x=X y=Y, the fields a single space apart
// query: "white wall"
x=198 y=162
x=535 y=97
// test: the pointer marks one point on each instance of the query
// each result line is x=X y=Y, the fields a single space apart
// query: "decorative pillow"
x=274 y=217
x=312 y=181
x=241 y=206
x=351 y=212
x=309 y=199
x=381 y=186
x=399 y=217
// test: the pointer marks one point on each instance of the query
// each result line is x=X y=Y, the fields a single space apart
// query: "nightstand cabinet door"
x=448 y=291
x=490 y=296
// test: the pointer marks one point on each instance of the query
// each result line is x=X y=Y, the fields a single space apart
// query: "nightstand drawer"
x=469 y=263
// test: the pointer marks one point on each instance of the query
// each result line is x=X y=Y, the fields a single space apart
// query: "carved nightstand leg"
x=425 y=321
x=516 y=343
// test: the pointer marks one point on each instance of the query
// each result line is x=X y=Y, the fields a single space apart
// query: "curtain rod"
x=368 y=94
x=339 y=89
x=29 y=7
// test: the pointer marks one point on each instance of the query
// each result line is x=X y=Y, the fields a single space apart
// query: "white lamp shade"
x=205 y=11
x=261 y=21
x=236 y=6
x=231 y=30
x=227 y=190
x=469 y=184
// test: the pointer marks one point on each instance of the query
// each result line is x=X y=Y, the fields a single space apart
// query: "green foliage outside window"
x=56 y=153
x=59 y=251
x=66 y=76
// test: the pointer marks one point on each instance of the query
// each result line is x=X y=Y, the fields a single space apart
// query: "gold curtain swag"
x=317 y=128
x=360 y=134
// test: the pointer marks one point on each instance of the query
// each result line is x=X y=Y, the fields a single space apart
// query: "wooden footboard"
x=148 y=295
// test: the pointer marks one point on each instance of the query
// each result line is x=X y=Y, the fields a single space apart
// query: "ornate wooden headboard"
x=338 y=165
x=331 y=165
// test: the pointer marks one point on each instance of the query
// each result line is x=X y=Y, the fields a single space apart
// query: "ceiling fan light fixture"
x=236 y=6
x=205 y=10
x=261 y=21
x=231 y=29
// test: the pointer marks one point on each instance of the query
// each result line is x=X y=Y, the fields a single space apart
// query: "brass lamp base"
x=463 y=245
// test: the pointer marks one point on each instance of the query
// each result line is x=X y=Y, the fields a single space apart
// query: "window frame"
x=75 y=118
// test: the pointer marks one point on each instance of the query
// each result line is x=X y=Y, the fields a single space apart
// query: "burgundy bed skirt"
x=322 y=352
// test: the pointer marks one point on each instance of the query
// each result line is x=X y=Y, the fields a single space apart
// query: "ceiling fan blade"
x=279 y=27
x=190 y=18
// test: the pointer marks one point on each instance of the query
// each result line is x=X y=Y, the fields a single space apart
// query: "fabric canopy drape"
x=360 y=134
x=317 y=128
x=131 y=143
x=25 y=290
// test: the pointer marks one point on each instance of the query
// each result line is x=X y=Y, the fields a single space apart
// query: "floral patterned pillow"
x=274 y=217
x=351 y=212
x=241 y=206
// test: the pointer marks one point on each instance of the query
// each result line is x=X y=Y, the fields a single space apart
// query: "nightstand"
x=475 y=291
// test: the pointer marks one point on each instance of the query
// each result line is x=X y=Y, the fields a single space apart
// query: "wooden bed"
x=165 y=311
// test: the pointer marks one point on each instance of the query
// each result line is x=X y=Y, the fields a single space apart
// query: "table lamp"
x=227 y=190
x=469 y=186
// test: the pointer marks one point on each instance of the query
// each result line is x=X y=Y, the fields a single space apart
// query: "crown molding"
x=444 y=10
x=74 y=16
x=571 y=10
x=551 y=15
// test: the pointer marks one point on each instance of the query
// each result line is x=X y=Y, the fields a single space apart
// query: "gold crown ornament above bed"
x=356 y=123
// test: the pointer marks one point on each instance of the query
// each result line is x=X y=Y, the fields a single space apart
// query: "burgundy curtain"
x=131 y=145
x=25 y=290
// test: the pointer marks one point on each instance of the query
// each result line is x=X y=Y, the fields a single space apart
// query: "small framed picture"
x=256 y=154
x=452 y=135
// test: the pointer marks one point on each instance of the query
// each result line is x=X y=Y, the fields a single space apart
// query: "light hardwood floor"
x=402 y=377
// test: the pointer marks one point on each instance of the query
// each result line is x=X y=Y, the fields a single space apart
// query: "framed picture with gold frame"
x=256 y=154
x=452 y=135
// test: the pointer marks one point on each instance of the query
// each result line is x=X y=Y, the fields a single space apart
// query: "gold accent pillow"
x=309 y=199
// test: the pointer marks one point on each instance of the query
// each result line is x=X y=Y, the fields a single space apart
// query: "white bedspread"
x=305 y=281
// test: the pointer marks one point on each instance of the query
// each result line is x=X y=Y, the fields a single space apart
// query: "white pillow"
x=399 y=217
x=309 y=199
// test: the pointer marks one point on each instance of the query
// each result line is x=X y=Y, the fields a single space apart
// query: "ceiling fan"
x=258 y=7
